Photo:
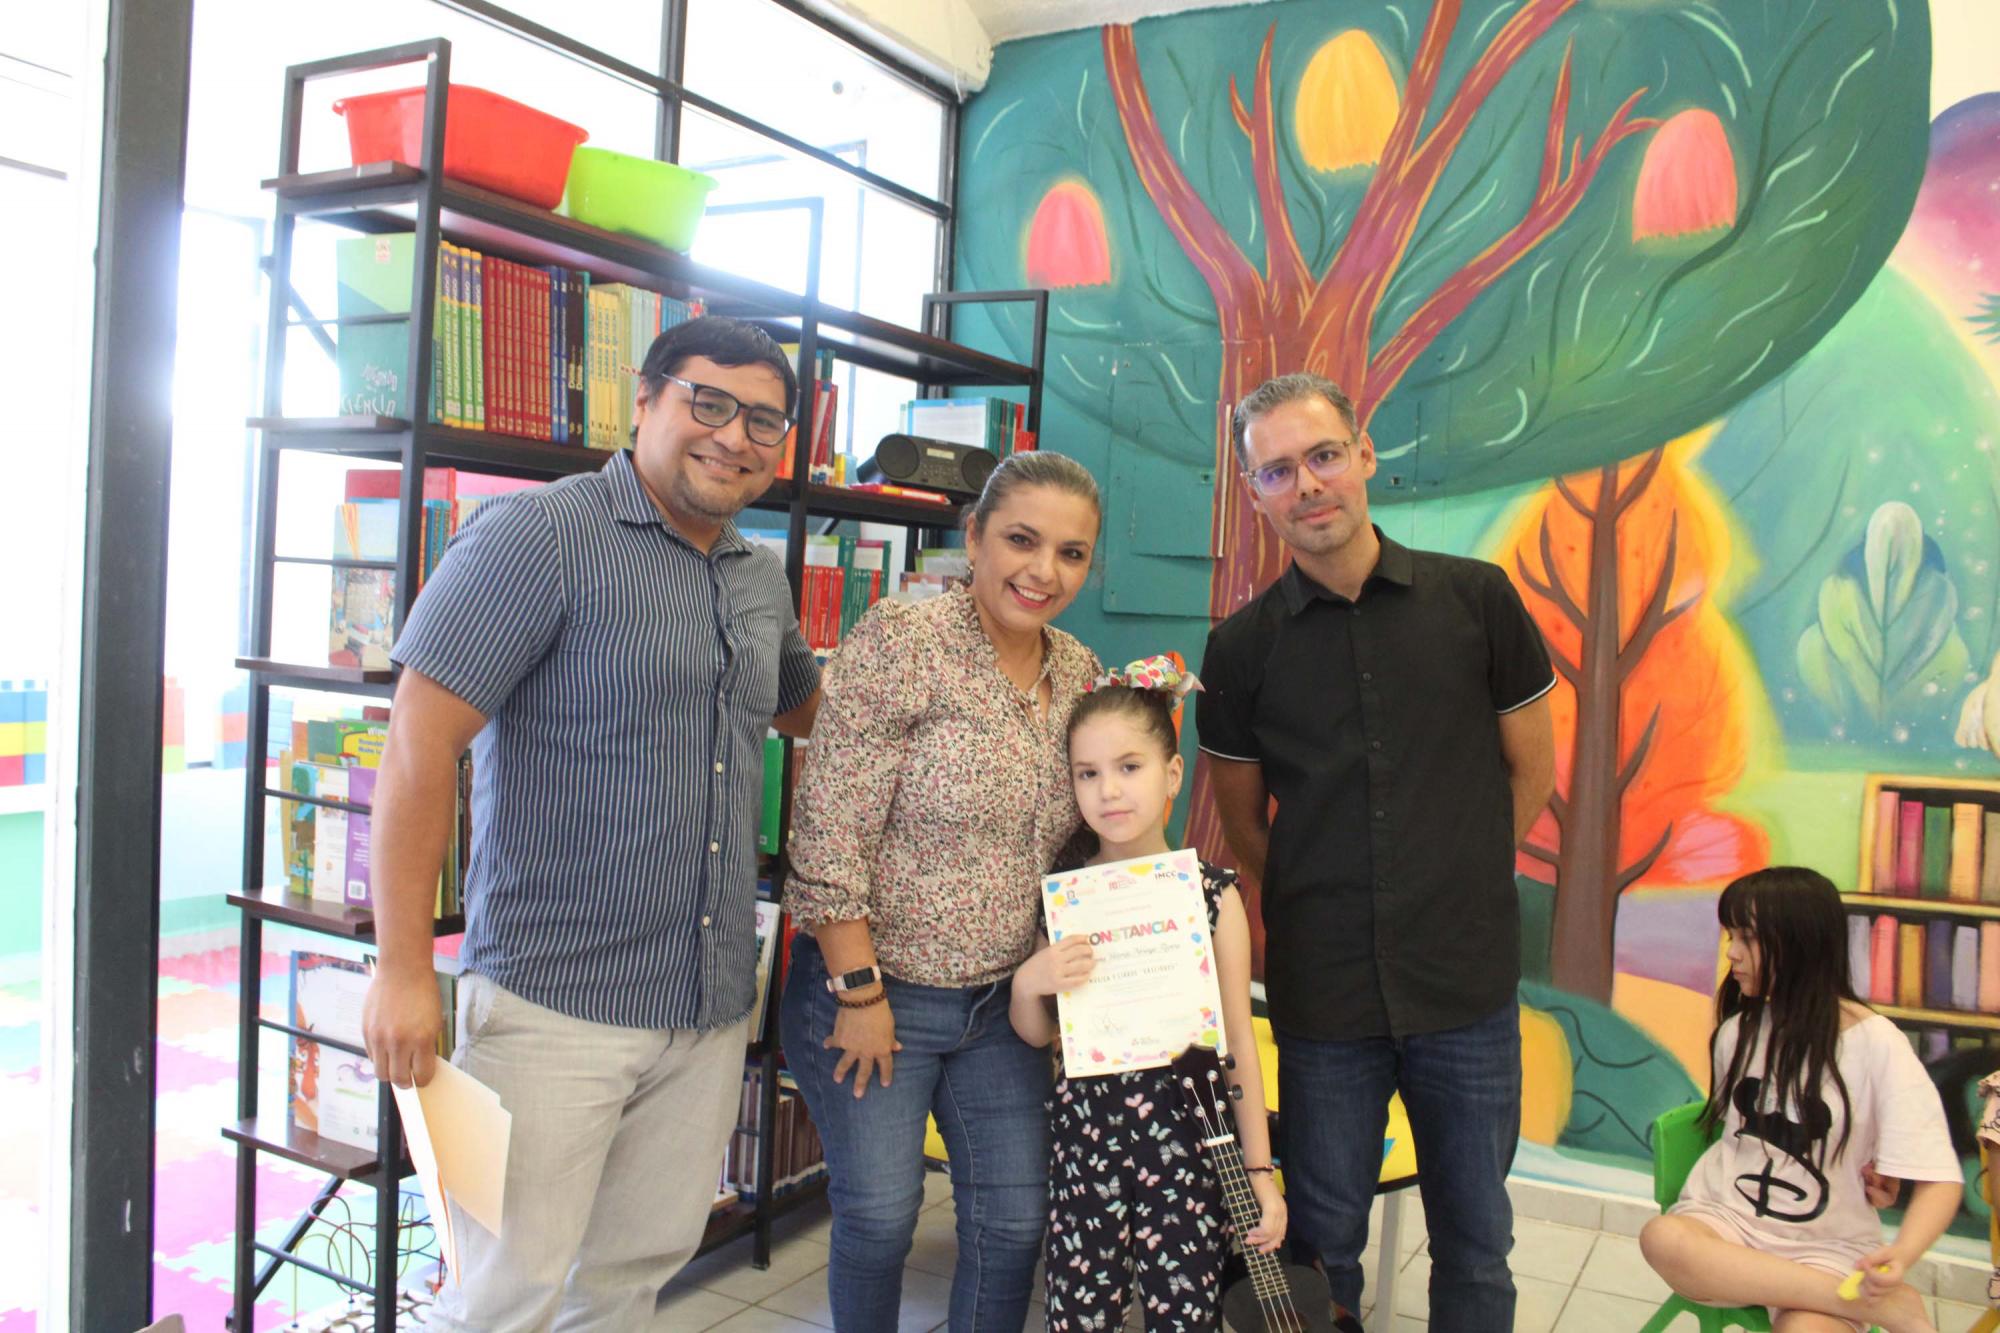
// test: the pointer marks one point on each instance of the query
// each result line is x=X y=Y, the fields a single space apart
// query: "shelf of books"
x=1924 y=921
x=481 y=345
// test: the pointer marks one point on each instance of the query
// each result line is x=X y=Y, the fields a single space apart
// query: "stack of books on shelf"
x=362 y=620
x=326 y=849
x=994 y=424
x=1941 y=964
x=331 y=1092
x=844 y=576
x=1931 y=843
x=542 y=353
x=791 y=1139
x=825 y=467
x=937 y=567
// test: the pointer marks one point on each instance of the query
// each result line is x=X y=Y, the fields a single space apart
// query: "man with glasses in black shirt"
x=1395 y=704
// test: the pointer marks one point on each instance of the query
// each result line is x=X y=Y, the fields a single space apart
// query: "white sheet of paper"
x=470 y=1132
x=458 y=1134
x=418 y=1136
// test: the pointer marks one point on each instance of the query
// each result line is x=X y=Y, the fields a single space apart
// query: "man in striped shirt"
x=613 y=650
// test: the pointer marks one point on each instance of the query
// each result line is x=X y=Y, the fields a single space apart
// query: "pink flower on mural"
x=1687 y=183
x=1067 y=244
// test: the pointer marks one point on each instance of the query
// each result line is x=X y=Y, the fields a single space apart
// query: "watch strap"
x=855 y=980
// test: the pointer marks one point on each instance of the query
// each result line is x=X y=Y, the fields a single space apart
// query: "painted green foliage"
x=1987 y=321
x=1623 y=1079
x=1892 y=404
x=1887 y=634
x=1594 y=345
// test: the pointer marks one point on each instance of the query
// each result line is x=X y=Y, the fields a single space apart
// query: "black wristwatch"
x=855 y=980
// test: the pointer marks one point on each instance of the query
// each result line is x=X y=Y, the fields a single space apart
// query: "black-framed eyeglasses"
x=1326 y=462
x=716 y=408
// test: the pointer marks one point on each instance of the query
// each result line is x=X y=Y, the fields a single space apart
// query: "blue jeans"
x=961 y=1063
x=1462 y=1089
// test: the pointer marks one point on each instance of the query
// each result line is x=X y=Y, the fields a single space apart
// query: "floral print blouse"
x=933 y=797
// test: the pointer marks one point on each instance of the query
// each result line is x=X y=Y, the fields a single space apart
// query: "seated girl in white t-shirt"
x=1822 y=1104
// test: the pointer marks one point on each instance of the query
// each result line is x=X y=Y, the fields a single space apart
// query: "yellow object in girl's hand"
x=1850 y=1286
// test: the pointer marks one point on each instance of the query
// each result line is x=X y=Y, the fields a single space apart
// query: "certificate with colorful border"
x=1152 y=992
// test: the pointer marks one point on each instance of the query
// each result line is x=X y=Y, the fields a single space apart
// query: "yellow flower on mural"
x=1347 y=104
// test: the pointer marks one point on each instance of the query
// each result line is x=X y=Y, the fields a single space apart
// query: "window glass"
x=785 y=72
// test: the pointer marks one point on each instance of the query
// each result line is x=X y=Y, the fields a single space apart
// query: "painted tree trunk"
x=1587 y=871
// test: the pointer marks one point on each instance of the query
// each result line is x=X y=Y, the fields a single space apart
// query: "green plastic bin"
x=658 y=201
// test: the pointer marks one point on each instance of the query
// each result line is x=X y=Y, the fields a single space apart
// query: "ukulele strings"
x=1267 y=1280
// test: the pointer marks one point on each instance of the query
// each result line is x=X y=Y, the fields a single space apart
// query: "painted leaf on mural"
x=1654 y=697
x=1887 y=635
x=1894 y=403
x=1987 y=321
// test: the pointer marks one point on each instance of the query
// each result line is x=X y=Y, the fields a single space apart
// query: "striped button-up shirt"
x=627 y=680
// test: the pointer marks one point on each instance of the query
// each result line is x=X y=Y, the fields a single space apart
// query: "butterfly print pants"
x=1131 y=1198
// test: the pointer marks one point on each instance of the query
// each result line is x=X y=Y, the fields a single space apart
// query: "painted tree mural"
x=1531 y=238
x=1653 y=700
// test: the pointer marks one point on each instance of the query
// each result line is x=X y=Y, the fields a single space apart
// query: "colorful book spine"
x=437 y=341
x=493 y=411
x=1965 y=968
x=545 y=359
x=1938 y=937
x=455 y=405
x=1909 y=848
x=1910 y=965
x=1860 y=958
x=463 y=301
x=774 y=795
x=1883 y=861
x=1989 y=967
x=329 y=875
x=1936 y=879
x=558 y=356
x=359 y=882
x=1882 y=961
x=1962 y=879
x=475 y=328
x=575 y=312
x=1989 y=860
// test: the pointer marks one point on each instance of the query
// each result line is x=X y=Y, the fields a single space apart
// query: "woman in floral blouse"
x=934 y=795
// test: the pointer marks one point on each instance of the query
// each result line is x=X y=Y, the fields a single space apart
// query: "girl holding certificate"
x=1130 y=1191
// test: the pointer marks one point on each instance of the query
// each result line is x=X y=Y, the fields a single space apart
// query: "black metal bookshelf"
x=416 y=198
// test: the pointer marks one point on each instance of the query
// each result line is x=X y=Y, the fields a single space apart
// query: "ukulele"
x=1277 y=1297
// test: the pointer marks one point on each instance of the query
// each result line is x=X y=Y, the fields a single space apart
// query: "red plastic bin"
x=489 y=140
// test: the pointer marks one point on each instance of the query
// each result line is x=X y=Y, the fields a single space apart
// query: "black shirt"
x=1388 y=897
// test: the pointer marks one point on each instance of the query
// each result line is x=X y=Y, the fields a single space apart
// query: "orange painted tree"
x=1653 y=696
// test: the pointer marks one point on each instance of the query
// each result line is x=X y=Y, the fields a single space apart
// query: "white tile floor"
x=1570 y=1279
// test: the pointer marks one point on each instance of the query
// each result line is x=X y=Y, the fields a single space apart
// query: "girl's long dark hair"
x=1795 y=916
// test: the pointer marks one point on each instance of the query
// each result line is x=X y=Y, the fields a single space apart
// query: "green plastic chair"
x=1678 y=1143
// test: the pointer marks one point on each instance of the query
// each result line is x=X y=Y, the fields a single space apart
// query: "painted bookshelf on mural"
x=1924 y=920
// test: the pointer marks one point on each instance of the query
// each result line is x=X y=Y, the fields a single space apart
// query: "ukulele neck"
x=1267 y=1274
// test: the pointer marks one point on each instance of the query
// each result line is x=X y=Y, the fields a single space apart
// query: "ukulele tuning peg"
x=1229 y=1062
x=1236 y=1094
